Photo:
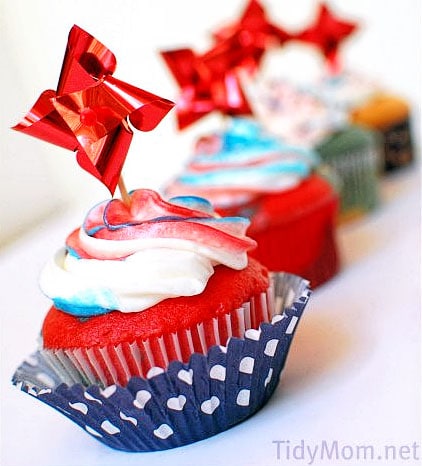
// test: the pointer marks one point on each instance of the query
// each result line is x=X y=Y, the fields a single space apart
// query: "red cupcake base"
x=295 y=229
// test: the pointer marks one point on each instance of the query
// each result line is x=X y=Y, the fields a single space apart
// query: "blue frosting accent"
x=245 y=139
x=226 y=176
x=193 y=202
x=94 y=230
x=80 y=305
x=72 y=252
x=79 y=311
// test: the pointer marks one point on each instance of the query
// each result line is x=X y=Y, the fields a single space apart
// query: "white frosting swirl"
x=135 y=264
x=241 y=163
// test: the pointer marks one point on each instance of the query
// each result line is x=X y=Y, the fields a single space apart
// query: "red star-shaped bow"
x=208 y=82
x=249 y=38
x=90 y=109
x=327 y=33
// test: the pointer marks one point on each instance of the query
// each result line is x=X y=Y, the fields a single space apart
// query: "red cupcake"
x=163 y=332
x=292 y=208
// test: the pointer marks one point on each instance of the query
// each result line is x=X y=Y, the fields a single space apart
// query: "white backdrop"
x=36 y=177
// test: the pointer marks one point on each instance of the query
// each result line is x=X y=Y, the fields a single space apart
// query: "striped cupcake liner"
x=185 y=402
x=116 y=364
x=359 y=174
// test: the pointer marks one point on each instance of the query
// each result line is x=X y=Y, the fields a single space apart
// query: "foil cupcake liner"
x=186 y=402
x=358 y=171
x=116 y=364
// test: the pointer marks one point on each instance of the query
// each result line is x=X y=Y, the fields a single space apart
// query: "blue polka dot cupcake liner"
x=185 y=402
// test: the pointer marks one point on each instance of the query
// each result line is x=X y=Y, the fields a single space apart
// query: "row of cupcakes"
x=297 y=161
x=166 y=325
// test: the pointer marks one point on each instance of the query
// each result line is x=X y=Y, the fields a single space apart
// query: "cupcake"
x=244 y=171
x=189 y=269
x=352 y=154
x=345 y=90
x=162 y=330
x=366 y=103
x=292 y=113
x=390 y=115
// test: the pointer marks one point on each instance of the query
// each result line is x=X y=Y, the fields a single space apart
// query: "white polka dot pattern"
x=218 y=372
x=176 y=403
x=163 y=431
x=184 y=402
x=246 y=365
x=209 y=406
x=243 y=397
x=141 y=399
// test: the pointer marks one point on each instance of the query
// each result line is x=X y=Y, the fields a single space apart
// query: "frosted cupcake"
x=293 y=114
x=353 y=154
x=366 y=103
x=163 y=332
x=345 y=90
x=390 y=116
x=187 y=268
x=244 y=171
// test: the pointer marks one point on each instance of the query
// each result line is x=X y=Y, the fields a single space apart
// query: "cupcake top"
x=294 y=114
x=345 y=90
x=128 y=258
x=381 y=112
x=243 y=161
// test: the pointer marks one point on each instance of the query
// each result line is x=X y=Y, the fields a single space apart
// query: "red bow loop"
x=208 y=82
x=327 y=33
x=250 y=37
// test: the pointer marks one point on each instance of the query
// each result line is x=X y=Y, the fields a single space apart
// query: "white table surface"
x=353 y=373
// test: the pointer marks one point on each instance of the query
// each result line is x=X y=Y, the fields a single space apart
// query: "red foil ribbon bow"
x=251 y=36
x=208 y=82
x=327 y=33
x=89 y=111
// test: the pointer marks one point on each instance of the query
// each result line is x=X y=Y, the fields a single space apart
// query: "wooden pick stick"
x=123 y=191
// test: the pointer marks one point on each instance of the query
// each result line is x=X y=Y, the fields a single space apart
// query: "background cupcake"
x=352 y=154
x=391 y=117
x=292 y=209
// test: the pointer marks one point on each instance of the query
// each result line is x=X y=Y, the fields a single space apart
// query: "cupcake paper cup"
x=186 y=402
x=359 y=171
x=354 y=154
x=116 y=364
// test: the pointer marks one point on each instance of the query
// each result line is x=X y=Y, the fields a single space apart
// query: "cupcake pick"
x=90 y=110
x=327 y=33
